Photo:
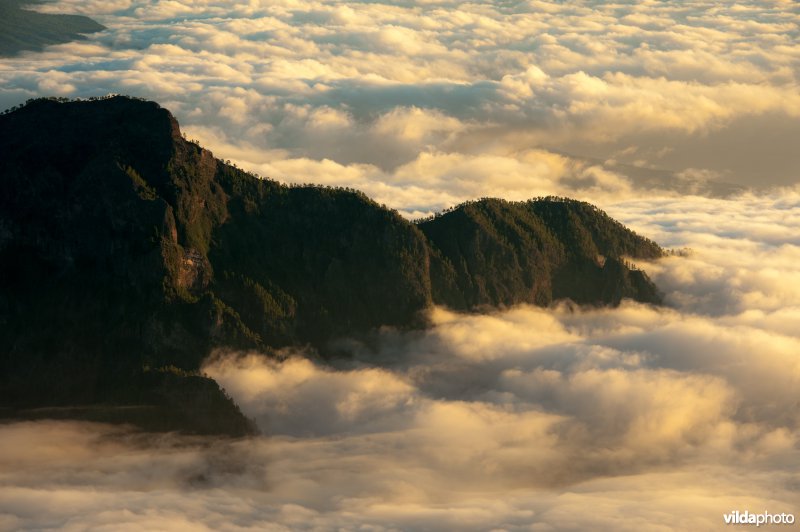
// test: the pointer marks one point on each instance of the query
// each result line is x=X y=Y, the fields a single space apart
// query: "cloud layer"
x=636 y=418
x=628 y=419
x=424 y=104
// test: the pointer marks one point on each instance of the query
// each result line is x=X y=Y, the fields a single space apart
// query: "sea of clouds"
x=635 y=418
x=423 y=104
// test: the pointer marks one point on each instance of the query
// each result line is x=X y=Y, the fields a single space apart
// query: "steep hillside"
x=26 y=29
x=126 y=249
x=496 y=252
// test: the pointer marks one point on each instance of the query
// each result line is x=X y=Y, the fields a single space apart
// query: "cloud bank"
x=636 y=418
x=628 y=419
x=425 y=104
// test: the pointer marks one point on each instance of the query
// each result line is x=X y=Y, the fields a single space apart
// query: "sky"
x=424 y=104
x=680 y=119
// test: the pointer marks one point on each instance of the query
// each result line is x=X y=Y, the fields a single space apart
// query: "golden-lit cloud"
x=703 y=90
x=634 y=418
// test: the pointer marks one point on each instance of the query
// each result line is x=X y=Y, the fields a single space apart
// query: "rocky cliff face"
x=123 y=247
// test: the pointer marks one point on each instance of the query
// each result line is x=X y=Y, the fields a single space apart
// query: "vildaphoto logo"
x=747 y=518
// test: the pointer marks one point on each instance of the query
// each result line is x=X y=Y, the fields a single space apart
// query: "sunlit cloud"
x=703 y=90
x=634 y=418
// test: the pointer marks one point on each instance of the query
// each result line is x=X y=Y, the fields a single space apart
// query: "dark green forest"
x=128 y=253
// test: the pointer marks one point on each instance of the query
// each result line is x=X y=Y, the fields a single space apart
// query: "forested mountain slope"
x=126 y=249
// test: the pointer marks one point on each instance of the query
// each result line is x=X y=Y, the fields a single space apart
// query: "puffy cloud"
x=297 y=398
x=696 y=88
x=635 y=418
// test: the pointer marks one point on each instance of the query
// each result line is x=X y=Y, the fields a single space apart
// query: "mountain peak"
x=97 y=110
x=68 y=134
x=124 y=247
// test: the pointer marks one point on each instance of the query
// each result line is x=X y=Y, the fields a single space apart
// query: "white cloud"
x=635 y=418
x=406 y=79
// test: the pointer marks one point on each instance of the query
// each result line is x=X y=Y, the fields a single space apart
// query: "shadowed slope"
x=125 y=248
x=23 y=29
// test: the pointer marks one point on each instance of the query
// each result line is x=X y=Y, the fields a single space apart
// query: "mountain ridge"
x=124 y=246
x=24 y=29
